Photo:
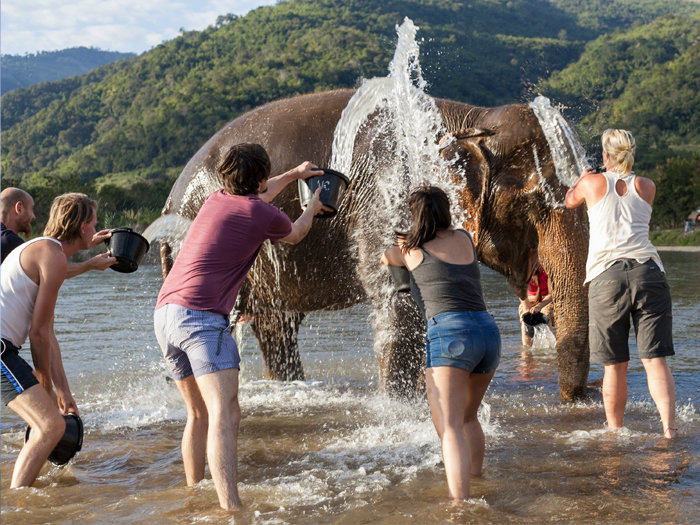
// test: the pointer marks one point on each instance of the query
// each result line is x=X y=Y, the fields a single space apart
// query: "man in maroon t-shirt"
x=191 y=316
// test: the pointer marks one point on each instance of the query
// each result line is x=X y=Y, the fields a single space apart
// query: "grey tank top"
x=438 y=286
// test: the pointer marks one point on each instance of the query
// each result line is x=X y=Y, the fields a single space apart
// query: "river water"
x=331 y=450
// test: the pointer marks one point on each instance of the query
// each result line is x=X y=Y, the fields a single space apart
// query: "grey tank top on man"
x=438 y=286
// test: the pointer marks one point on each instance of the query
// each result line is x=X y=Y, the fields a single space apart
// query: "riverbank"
x=675 y=237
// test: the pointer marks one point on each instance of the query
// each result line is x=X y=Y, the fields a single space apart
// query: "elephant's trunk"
x=563 y=248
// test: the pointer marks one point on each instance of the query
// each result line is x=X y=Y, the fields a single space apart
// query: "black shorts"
x=17 y=375
x=629 y=289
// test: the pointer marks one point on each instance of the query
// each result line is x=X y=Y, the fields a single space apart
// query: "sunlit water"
x=331 y=450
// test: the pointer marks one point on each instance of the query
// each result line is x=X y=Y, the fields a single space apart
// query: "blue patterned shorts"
x=194 y=341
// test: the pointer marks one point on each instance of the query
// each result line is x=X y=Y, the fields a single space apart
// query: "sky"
x=29 y=26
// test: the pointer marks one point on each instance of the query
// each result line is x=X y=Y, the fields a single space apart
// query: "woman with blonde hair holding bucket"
x=626 y=280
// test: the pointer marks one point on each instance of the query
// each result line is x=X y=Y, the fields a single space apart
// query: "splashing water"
x=567 y=151
x=543 y=338
x=170 y=228
x=406 y=124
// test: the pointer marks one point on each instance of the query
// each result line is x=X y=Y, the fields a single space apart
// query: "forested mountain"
x=133 y=124
x=25 y=70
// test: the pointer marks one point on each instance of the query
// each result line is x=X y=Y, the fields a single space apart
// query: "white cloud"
x=29 y=26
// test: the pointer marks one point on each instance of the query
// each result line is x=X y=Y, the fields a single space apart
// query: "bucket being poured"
x=333 y=185
x=128 y=247
x=531 y=320
x=70 y=443
x=401 y=278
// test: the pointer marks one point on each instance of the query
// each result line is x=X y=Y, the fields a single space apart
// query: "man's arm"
x=277 y=184
x=65 y=400
x=301 y=227
x=51 y=266
x=98 y=262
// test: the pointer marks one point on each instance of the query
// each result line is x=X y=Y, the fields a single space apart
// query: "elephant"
x=508 y=188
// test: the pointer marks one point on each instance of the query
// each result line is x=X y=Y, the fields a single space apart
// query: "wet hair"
x=429 y=207
x=243 y=168
x=68 y=212
x=620 y=146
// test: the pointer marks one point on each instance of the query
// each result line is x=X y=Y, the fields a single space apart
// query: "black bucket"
x=128 y=247
x=333 y=185
x=531 y=320
x=71 y=442
x=401 y=278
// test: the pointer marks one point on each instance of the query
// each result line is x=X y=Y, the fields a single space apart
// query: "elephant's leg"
x=166 y=258
x=276 y=333
x=400 y=346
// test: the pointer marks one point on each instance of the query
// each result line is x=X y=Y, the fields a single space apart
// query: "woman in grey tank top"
x=463 y=341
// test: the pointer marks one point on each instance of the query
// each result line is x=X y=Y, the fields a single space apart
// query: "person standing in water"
x=17 y=212
x=463 y=341
x=626 y=280
x=191 y=318
x=31 y=276
x=538 y=300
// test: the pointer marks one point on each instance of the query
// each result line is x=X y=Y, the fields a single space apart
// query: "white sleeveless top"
x=17 y=295
x=619 y=228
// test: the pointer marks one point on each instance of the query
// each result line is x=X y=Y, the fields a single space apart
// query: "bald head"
x=17 y=210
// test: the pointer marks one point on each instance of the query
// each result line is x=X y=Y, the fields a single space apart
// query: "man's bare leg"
x=194 y=437
x=40 y=412
x=220 y=393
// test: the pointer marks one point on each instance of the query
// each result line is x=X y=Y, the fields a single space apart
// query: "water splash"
x=567 y=151
x=543 y=338
x=405 y=127
x=171 y=228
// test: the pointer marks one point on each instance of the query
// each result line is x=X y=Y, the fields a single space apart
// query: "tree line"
x=125 y=130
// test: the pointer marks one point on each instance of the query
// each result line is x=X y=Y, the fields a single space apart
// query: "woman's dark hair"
x=243 y=168
x=430 y=211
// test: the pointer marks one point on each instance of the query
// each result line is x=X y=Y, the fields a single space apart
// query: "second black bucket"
x=128 y=247
x=70 y=443
x=401 y=278
x=333 y=185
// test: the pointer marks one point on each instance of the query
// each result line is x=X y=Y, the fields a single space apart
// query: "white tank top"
x=17 y=296
x=619 y=228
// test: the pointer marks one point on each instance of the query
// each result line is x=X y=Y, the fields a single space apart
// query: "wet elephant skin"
x=510 y=189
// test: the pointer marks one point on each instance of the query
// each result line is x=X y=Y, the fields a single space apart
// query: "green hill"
x=132 y=125
x=20 y=71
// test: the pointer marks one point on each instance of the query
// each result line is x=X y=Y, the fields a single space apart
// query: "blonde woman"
x=626 y=279
x=32 y=274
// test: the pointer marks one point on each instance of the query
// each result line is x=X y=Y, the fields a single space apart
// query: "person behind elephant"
x=463 y=341
x=32 y=275
x=191 y=315
x=538 y=300
x=626 y=279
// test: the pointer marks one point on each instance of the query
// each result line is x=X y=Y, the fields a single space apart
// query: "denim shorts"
x=467 y=340
x=629 y=290
x=194 y=341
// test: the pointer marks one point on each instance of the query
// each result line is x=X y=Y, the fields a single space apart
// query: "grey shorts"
x=629 y=290
x=194 y=341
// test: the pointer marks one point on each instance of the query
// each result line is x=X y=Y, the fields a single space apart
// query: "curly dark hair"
x=243 y=168
x=430 y=211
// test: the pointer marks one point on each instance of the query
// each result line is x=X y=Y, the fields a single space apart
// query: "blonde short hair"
x=68 y=212
x=620 y=146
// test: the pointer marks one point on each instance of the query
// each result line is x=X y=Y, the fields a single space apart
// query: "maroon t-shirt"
x=219 y=249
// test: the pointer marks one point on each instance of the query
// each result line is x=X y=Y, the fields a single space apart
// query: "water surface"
x=331 y=450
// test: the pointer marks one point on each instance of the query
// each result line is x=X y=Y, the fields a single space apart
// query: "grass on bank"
x=675 y=237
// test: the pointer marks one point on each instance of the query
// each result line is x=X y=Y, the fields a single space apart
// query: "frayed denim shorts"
x=194 y=341
x=467 y=340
